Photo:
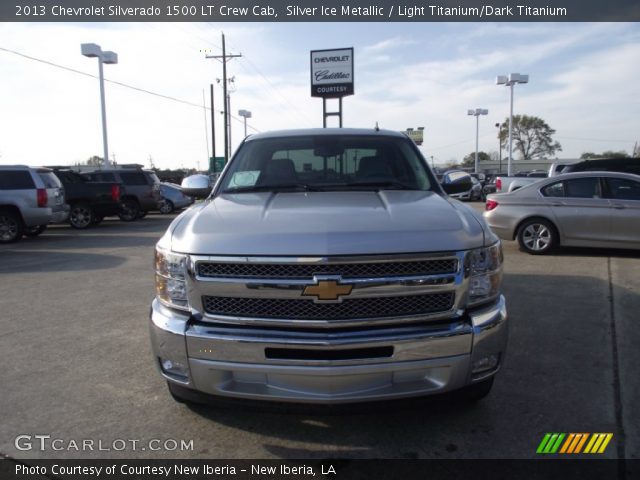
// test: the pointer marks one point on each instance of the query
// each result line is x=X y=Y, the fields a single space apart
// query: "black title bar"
x=320 y=11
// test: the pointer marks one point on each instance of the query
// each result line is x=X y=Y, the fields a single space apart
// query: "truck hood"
x=327 y=223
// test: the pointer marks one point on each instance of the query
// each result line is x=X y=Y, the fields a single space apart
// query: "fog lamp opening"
x=174 y=368
x=484 y=364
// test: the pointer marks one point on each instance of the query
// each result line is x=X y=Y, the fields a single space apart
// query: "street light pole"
x=499 y=127
x=510 y=80
x=92 y=50
x=476 y=113
x=245 y=114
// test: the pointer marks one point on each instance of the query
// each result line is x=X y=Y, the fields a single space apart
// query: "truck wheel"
x=10 y=227
x=477 y=391
x=166 y=206
x=130 y=210
x=34 y=231
x=537 y=236
x=81 y=216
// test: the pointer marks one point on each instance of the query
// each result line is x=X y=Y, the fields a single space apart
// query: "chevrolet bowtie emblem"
x=327 y=290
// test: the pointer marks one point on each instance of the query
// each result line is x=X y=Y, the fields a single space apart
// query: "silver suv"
x=30 y=198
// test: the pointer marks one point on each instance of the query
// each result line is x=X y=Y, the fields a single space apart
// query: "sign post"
x=332 y=77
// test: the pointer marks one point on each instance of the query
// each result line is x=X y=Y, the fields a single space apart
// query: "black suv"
x=622 y=165
x=142 y=190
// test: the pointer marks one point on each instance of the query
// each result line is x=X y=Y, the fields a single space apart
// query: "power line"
x=131 y=87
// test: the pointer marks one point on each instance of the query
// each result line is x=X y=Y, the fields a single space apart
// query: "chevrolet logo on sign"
x=327 y=290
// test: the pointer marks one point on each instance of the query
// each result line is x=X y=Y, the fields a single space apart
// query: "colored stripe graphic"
x=596 y=443
x=581 y=443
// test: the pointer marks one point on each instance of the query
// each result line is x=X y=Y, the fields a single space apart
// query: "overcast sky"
x=584 y=81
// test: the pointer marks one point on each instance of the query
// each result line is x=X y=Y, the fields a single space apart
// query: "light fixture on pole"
x=92 y=50
x=476 y=113
x=510 y=80
x=245 y=114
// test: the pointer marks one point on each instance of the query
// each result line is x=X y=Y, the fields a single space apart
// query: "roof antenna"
x=377 y=129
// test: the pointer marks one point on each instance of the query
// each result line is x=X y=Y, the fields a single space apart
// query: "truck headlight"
x=485 y=271
x=171 y=285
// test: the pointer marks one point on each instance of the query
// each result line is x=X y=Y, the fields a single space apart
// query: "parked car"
x=90 y=201
x=316 y=273
x=473 y=193
x=173 y=198
x=489 y=186
x=623 y=165
x=141 y=190
x=556 y=168
x=30 y=199
x=585 y=209
x=519 y=180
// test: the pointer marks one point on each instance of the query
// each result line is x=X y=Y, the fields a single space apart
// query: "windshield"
x=327 y=162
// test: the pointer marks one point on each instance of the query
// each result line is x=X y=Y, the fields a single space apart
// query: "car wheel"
x=10 y=227
x=81 y=216
x=477 y=391
x=537 y=236
x=130 y=211
x=34 y=231
x=166 y=206
x=142 y=214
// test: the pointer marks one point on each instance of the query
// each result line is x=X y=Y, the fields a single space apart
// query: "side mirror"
x=198 y=186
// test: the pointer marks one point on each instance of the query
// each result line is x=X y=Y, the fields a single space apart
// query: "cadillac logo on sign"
x=332 y=73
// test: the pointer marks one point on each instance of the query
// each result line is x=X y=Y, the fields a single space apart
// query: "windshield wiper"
x=304 y=187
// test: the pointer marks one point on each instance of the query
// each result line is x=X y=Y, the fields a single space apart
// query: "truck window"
x=133 y=178
x=327 y=161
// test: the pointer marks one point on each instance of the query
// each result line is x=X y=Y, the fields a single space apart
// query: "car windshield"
x=327 y=162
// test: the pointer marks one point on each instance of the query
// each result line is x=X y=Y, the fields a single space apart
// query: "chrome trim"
x=412 y=343
x=362 y=287
x=198 y=286
x=330 y=385
x=406 y=257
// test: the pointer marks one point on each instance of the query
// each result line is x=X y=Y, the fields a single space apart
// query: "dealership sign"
x=332 y=73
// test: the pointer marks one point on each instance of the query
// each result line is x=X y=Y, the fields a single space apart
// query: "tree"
x=94 y=161
x=605 y=154
x=470 y=159
x=531 y=137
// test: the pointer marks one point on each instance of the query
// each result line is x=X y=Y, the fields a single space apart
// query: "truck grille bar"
x=308 y=270
x=375 y=307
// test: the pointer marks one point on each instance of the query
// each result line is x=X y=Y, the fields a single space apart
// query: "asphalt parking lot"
x=77 y=363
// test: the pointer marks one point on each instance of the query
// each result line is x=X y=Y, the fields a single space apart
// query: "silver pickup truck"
x=328 y=266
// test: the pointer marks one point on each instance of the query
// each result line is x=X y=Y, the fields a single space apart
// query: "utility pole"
x=224 y=57
x=213 y=130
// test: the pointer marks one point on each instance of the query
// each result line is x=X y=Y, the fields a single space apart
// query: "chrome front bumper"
x=235 y=361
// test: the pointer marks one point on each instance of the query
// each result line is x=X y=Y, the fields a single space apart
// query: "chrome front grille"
x=374 y=307
x=308 y=270
x=279 y=291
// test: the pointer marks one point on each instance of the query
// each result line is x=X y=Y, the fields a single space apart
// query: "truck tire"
x=81 y=215
x=34 y=231
x=477 y=391
x=130 y=210
x=11 y=227
x=537 y=236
